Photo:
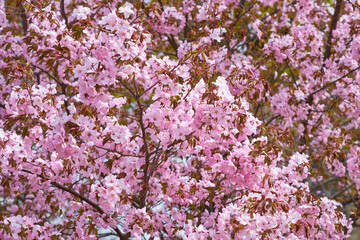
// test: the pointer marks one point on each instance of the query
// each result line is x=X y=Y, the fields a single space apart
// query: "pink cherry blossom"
x=179 y=119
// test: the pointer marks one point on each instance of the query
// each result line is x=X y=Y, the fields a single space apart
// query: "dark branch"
x=96 y=206
x=23 y=19
x=50 y=76
x=83 y=198
x=63 y=13
x=331 y=83
x=342 y=191
x=334 y=20
x=122 y=236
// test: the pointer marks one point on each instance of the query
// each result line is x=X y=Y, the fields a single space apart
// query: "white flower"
x=299 y=95
x=126 y=10
x=223 y=90
x=111 y=20
x=215 y=33
x=121 y=134
x=81 y=12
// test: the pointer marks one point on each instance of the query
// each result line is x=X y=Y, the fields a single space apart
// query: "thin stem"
x=331 y=83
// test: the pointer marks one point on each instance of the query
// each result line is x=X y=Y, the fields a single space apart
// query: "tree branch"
x=293 y=76
x=63 y=13
x=341 y=191
x=23 y=19
x=334 y=20
x=331 y=83
x=83 y=198
x=50 y=76
x=123 y=236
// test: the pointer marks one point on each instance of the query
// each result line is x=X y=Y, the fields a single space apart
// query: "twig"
x=272 y=119
x=341 y=191
x=149 y=88
x=122 y=236
x=122 y=93
x=293 y=76
x=106 y=235
x=131 y=91
x=113 y=150
x=49 y=75
x=331 y=83
x=166 y=53
x=85 y=199
x=172 y=42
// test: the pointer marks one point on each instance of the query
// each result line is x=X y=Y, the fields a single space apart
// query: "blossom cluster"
x=179 y=119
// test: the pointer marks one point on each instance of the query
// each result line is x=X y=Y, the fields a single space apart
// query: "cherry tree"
x=222 y=119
